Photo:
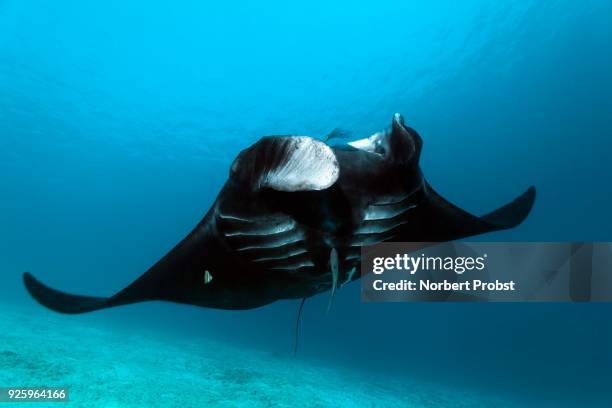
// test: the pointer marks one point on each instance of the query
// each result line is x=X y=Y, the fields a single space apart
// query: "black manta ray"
x=291 y=220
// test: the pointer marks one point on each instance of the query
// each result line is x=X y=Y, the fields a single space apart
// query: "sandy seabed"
x=108 y=367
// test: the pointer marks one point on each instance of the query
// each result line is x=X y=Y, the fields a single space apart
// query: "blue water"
x=119 y=120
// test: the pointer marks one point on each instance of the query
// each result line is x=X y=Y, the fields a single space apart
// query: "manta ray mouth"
x=373 y=144
x=379 y=143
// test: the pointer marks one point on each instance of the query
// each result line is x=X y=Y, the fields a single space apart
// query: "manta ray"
x=291 y=220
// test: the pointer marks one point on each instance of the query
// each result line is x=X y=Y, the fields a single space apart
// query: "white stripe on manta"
x=233 y=217
x=393 y=200
x=260 y=229
x=374 y=228
x=295 y=265
x=274 y=242
x=287 y=255
x=383 y=212
x=370 y=239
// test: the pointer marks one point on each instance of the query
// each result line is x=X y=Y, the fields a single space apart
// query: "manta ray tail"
x=60 y=301
x=297 y=327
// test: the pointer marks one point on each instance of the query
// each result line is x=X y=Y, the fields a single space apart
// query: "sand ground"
x=105 y=367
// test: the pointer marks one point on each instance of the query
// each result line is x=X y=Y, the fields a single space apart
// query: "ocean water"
x=118 y=123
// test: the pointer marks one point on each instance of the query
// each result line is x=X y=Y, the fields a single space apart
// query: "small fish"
x=337 y=133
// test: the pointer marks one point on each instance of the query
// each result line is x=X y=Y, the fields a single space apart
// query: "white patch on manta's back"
x=308 y=165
